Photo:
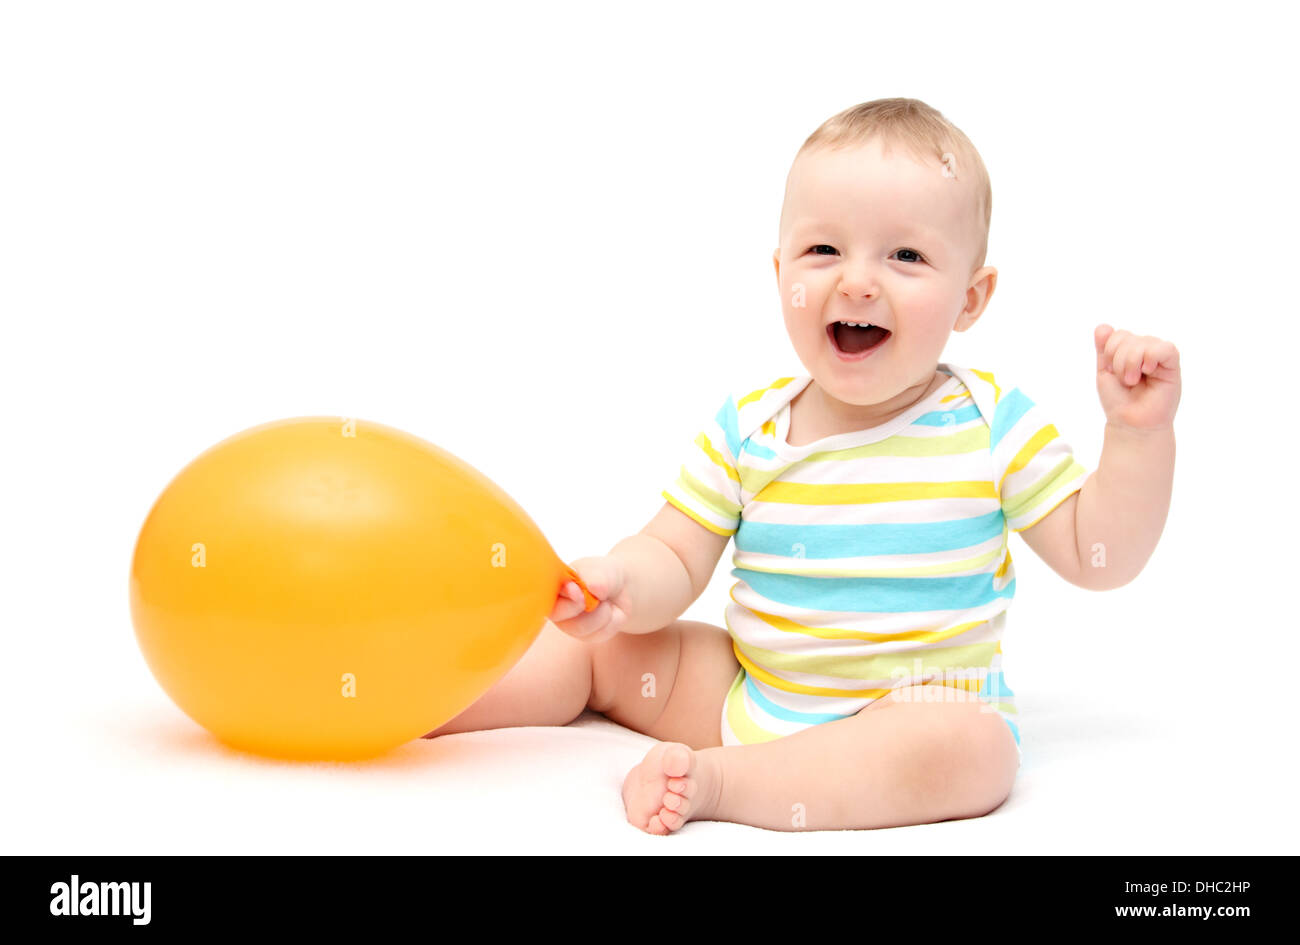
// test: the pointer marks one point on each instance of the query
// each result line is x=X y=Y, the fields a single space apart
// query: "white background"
x=540 y=236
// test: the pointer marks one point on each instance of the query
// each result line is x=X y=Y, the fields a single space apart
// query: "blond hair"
x=922 y=131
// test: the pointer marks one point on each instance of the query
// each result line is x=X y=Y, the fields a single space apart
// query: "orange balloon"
x=319 y=589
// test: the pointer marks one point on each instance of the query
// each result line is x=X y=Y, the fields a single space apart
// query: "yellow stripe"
x=702 y=441
x=988 y=376
x=974 y=440
x=1028 y=452
x=755 y=395
x=923 y=635
x=970 y=685
x=741 y=725
x=954 y=660
x=707 y=524
x=945 y=567
x=768 y=427
x=784 y=685
x=816 y=493
x=706 y=495
x=1006 y=557
x=1024 y=500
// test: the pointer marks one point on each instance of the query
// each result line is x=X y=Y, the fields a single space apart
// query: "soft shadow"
x=184 y=740
x=1054 y=733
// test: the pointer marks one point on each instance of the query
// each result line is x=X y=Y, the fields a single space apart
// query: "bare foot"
x=671 y=785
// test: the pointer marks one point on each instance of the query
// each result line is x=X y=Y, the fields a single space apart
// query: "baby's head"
x=885 y=221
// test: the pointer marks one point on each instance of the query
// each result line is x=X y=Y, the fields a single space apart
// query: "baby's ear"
x=980 y=291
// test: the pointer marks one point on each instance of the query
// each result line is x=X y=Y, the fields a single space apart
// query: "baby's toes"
x=675 y=803
x=656 y=793
x=670 y=819
x=676 y=761
x=656 y=827
x=676 y=810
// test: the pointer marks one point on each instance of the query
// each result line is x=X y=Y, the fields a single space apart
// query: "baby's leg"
x=669 y=684
x=548 y=686
x=932 y=753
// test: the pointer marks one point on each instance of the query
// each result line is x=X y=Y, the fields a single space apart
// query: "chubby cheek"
x=932 y=325
x=802 y=303
x=804 y=328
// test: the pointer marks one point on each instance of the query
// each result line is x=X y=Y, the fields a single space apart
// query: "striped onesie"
x=873 y=559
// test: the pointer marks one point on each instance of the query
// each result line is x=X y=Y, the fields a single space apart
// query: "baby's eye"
x=822 y=249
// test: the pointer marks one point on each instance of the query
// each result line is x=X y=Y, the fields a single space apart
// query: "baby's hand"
x=604 y=578
x=1138 y=379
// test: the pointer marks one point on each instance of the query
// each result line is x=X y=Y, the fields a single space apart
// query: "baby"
x=858 y=682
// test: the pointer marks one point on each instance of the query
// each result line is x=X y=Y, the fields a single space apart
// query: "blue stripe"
x=787 y=715
x=995 y=687
x=853 y=541
x=935 y=418
x=729 y=420
x=755 y=449
x=1011 y=407
x=876 y=595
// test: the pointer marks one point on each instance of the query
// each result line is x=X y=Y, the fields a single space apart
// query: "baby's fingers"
x=599 y=624
x=1128 y=361
x=569 y=603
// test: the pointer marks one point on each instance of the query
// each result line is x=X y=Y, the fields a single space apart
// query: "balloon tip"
x=590 y=601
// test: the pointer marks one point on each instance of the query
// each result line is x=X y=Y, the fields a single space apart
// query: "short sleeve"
x=1034 y=467
x=707 y=487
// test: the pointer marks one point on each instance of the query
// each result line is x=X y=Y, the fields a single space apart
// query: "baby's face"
x=882 y=240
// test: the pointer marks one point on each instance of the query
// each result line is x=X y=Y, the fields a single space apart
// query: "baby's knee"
x=633 y=673
x=980 y=753
x=954 y=761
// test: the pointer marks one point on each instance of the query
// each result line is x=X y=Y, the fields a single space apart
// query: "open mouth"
x=856 y=338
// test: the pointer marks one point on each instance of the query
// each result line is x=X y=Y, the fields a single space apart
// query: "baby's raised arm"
x=645 y=582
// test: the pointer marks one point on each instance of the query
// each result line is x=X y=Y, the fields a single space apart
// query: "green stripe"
x=754 y=478
x=871 y=667
x=710 y=498
x=962 y=441
x=745 y=730
x=1024 y=501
